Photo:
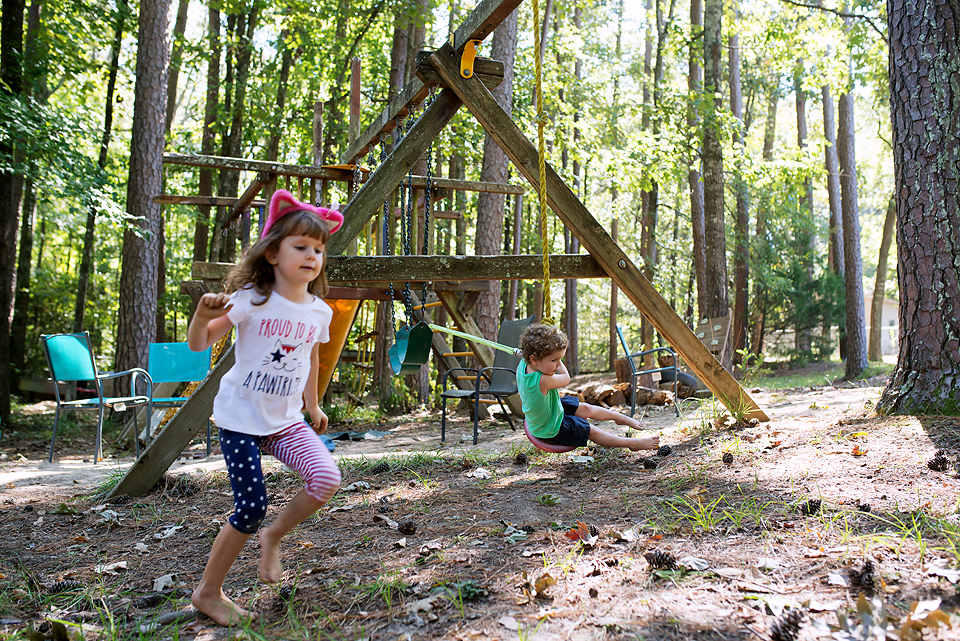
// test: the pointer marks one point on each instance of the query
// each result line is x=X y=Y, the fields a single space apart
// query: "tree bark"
x=924 y=64
x=803 y=226
x=496 y=166
x=874 y=351
x=286 y=60
x=832 y=166
x=201 y=233
x=759 y=288
x=176 y=56
x=136 y=325
x=717 y=303
x=853 y=265
x=697 y=221
x=11 y=188
x=741 y=250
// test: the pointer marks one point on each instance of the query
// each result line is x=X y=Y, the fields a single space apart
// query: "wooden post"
x=354 y=130
x=517 y=227
x=317 y=148
x=613 y=305
x=574 y=214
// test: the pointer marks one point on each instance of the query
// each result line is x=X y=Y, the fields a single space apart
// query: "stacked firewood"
x=606 y=395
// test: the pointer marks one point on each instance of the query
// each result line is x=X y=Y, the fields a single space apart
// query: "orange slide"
x=344 y=314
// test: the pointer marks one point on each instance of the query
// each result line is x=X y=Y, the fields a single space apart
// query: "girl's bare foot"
x=221 y=609
x=270 y=568
x=645 y=443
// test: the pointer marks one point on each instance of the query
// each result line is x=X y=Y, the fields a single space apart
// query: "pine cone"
x=593 y=530
x=649 y=463
x=521 y=458
x=938 y=463
x=660 y=560
x=727 y=458
x=864 y=507
x=285 y=593
x=941 y=453
x=787 y=627
x=863 y=578
x=664 y=450
x=64 y=586
x=380 y=468
x=810 y=507
x=529 y=529
x=407 y=526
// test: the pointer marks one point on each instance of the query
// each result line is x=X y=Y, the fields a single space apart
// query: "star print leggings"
x=298 y=447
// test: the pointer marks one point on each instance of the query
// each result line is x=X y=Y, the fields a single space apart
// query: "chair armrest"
x=134 y=374
x=443 y=381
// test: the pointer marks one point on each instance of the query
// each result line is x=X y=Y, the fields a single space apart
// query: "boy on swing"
x=562 y=421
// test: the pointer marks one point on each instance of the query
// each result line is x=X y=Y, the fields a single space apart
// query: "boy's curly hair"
x=541 y=340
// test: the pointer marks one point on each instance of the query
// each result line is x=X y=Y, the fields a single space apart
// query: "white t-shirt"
x=263 y=392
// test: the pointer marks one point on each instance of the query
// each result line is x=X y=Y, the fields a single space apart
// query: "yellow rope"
x=541 y=123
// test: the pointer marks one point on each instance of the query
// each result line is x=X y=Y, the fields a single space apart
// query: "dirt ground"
x=454 y=541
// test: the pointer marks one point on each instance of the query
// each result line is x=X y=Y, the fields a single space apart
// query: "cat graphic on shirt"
x=284 y=358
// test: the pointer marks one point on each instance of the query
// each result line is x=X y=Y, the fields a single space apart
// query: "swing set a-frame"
x=452 y=70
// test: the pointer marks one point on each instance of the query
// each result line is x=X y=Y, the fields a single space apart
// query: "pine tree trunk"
x=697 y=220
x=11 y=189
x=853 y=265
x=925 y=103
x=136 y=325
x=741 y=252
x=201 y=235
x=874 y=351
x=803 y=229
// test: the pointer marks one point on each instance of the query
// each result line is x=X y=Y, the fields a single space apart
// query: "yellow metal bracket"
x=466 y=60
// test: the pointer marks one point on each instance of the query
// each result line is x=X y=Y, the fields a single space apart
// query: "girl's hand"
x=318 y=419
x=212 y=305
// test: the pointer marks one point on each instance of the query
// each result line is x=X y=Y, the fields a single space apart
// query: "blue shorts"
x=574 y=431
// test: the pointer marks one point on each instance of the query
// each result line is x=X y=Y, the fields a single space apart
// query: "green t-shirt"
x=543 y=411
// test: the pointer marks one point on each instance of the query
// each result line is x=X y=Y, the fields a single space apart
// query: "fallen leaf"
x=582 y=459
x=543 y=582
x=479 y=473
x=837 y=578
x=111 y=568
x=625 y=536
x=357 y=486
x=393 y=525
x=169 y=531
x=858 y=451
x=694 y=563
x=729 y=573
x=509 y=623
x=950 y=575
x=767 y=563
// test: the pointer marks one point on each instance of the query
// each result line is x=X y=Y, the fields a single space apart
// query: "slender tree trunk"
x=759 y=287
x=11 y=188
x=697 y=220
x=924 y=64
x=489 y=239
x=874 y=352
x=219 y=235
x=804 y=236
x=741 y=251
x=853 y=265
x=713 y=196
x=614 y=291
x=832 y=166
x=279 y=120
x=136 y=325
x=201 y=237
x=176 y=56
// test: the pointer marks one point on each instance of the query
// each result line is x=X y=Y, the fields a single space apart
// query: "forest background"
x=637 y=104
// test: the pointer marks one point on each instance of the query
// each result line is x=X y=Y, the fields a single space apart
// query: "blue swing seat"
x=411 y=350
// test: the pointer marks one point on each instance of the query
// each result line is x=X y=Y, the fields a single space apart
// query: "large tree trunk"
x=136 y=325
x=803 y=226
x=35 y=88
x=717 y=303
x=925 y=104
x=832 y=166
x=496 y=166
x=11 y=188
x=874 y=352
x=697 y=221
x=856 y=334
x=201 y=233
x=741 y=252
x=176 y=56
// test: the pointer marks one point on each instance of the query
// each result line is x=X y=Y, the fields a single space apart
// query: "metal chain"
x=386 y=235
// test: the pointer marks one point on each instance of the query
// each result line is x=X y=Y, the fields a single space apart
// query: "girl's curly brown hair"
x=255 y=270
x=541 y=340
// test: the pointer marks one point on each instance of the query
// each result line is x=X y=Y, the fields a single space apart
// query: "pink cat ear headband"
x=283 y=202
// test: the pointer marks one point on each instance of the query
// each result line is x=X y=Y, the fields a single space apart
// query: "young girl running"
x=562 y=421
x=280 y=320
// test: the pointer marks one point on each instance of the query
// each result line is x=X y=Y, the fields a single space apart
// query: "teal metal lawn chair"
x=71 y=360
x=177 y=363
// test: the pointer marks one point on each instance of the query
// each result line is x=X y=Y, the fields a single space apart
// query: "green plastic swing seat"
x=411 y=349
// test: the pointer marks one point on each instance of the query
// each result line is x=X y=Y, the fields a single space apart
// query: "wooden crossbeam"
x=246 y=164
x=578 y=219
x=360 y=269
x=210 y=201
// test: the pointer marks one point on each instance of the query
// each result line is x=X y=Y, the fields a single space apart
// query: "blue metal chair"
x=71 y=360
x=177 y=363
x=635 y=360
x=499 y=381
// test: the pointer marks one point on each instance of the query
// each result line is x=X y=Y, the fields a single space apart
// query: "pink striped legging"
x=298 y=447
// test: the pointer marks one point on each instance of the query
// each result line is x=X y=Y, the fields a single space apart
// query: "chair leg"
x=98 y=448
x=208 y=438
x=443 y=419
x=506 y=413
x=476 y=417
x=633 y=397
x=56 y=422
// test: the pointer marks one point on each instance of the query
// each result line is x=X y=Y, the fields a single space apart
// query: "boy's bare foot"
x=221 y=609
x=645 y=443
x=270 y=568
